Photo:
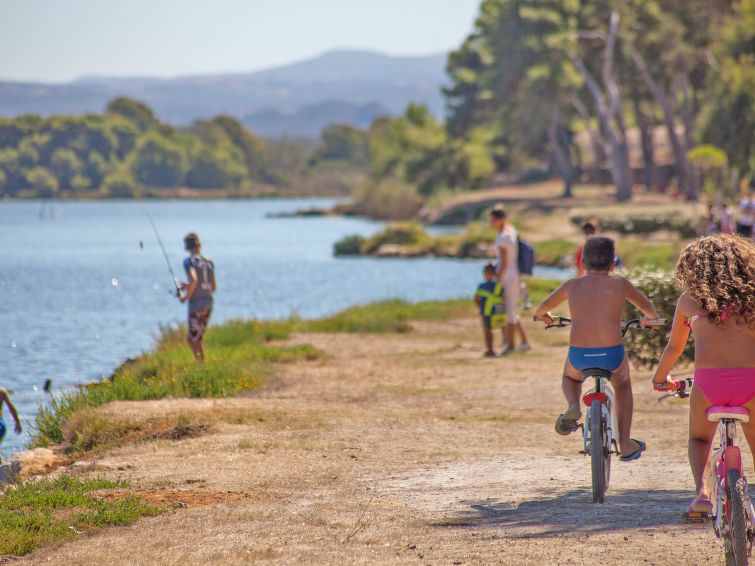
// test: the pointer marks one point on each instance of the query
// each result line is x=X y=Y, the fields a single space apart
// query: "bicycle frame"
x=602 y=392
x=726 y=456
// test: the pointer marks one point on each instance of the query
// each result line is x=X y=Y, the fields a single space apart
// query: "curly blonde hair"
x=719 y=271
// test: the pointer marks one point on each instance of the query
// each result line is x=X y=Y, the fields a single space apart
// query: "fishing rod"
x=165 y=254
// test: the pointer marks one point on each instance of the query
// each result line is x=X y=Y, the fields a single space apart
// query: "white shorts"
x=511 y=288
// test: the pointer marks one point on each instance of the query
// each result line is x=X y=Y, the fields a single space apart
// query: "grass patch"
x=38 y=512
x=89 y=429
x=552 y=252
x=240 y=358
x=392 y=315
x=636 y=253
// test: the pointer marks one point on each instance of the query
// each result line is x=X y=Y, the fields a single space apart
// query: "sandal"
x=636 y=454
x=566 y=423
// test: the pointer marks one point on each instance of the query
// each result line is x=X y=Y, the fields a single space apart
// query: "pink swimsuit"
x=731 y=387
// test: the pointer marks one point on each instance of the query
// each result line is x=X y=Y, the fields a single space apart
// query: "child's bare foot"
x=489 y=354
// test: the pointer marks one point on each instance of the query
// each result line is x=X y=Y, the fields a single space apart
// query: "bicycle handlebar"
x=682 y=389
x=561 y=321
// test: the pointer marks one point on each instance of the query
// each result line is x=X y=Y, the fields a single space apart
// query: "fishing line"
x=165 y=254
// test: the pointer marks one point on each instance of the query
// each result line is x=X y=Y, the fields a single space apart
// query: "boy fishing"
x=596 y=303
x=198 y=292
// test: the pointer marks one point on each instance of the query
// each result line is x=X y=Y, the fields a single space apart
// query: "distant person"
x=717 y=305
x=507 y=274
x=198 y=292
x=5 y=399
x=596 y=304
x=589 y=228
x=487 y=296
x=727 y=219
x=746 y=215
x=708 y=225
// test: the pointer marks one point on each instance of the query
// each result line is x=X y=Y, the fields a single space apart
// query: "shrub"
x=644 y=347
x=350 y=245
x=387 y=199
x=405 y=233
x=684 y=226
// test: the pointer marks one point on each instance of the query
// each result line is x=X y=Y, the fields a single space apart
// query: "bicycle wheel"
x=597 y=452
x=738 y=548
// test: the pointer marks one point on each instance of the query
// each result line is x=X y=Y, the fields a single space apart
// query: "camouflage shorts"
x=198 y=324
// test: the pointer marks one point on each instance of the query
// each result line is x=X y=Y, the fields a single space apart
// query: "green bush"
x=644 y=347
x=684 y=226
x=350 y=245
x=405 y=233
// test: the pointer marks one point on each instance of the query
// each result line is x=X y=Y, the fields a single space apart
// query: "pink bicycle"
x=733 y=515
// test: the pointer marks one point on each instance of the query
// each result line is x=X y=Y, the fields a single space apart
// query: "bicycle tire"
x=597 y=456
x=739 y=543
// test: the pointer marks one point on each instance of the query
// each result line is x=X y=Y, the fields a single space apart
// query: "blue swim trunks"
x=3 y=429
x=608 y=358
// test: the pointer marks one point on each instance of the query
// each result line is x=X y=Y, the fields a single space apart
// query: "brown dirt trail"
x=400 y=449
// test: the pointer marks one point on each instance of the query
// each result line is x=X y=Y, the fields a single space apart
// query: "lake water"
x=79 y=294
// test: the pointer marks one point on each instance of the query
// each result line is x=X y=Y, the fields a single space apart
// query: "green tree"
x=125 y=133
x=159 y=162
x=135 y=112
x=42 y=181
x=65 y=165
x=28 y=155
x=341 y=142
x=728 y=119
x=95 y=168
x=214 y=169
x=15 y=180
x=250 y=146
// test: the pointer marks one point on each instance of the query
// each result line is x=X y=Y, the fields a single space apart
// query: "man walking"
x=198 y=292
x=507 y=274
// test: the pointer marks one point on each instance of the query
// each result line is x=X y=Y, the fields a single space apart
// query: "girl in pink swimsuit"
x=717 y=277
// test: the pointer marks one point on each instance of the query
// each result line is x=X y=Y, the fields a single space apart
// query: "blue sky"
x=59 y=40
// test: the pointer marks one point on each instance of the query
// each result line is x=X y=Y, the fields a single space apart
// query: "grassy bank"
x=37 y=512
x=241 y=354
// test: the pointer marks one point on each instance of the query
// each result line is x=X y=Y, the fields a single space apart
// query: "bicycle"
x=733 y=515
x=600 y=420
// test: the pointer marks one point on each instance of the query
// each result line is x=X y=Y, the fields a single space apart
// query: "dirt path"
x=399 y=449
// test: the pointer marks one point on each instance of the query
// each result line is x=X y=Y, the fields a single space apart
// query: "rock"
x=9 y=472
x=392 y=250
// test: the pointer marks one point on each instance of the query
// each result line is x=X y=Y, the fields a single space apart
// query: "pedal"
x=695 y=517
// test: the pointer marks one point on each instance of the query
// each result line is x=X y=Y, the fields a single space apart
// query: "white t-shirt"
x=507 y=239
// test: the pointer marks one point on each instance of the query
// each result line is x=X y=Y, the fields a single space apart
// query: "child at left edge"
x=5 y=399
x=488 y=294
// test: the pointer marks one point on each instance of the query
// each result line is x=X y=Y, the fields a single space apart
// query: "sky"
x=60 y=40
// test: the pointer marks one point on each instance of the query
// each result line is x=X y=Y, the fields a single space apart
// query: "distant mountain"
x=298 y=99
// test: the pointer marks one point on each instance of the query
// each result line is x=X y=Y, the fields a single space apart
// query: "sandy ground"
x=399 y=449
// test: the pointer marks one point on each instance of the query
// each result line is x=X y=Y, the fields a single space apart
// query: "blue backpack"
x=526 y=262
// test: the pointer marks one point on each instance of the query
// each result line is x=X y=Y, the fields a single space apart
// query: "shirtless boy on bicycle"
x=596 y=303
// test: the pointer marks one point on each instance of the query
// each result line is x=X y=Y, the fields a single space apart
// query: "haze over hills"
x=299 y=99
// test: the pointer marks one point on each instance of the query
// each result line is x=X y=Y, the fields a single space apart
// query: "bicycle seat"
x=720 y=413
x=595 y=372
